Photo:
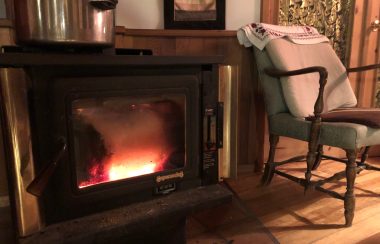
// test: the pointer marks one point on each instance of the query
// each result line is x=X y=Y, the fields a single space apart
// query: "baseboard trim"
x=4 y=201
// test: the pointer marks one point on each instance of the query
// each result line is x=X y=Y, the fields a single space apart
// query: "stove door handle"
x=39 y=183
x=220 y=125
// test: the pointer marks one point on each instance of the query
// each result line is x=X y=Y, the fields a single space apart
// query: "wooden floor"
x=229 y=223
x=293 y=217
x=281 y=213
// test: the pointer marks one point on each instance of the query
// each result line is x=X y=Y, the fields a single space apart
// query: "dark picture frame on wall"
x=6 y=13
x=194 y=14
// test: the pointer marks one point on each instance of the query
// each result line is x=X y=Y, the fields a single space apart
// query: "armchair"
x=303 y=86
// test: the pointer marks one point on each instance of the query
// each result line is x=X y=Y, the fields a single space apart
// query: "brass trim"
x=228 y=92
x=13 y=85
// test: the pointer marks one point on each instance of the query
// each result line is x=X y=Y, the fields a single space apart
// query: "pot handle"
x=104 y=4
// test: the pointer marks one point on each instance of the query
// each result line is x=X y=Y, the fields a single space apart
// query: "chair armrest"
x=323 y=74
x=363 y=68
x=316 y=121
x=280 y=73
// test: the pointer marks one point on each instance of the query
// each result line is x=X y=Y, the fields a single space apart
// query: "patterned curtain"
x=331 y=17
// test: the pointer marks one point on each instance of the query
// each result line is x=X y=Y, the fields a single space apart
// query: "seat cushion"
x=335 y=134
x=301 y=91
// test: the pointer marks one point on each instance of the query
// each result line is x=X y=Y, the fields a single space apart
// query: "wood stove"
x=90 y=132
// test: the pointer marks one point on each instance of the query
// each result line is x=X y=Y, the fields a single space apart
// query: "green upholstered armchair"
x=302 y=85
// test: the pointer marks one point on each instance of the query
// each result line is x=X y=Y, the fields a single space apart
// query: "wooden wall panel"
x=8 y=22
x=181 y=42
x=159 y=46
x=269 y=11
x=364 y=51
x=6 y=36
x=193 y=46
x=355 y=55
x=268 y=14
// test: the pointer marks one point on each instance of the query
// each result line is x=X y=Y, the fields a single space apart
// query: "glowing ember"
x=125 y=166
x=127 y=171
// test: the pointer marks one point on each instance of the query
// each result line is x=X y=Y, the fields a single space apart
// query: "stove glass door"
x=117 y=138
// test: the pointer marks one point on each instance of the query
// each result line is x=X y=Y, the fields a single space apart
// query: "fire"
x=126 y=171
x=137 y=138
x=118 y=167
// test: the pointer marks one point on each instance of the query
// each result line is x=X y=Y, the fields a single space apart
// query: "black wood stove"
x=89 y=132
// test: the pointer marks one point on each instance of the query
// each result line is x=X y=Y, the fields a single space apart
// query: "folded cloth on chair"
x=364 y=116
x=259 y=34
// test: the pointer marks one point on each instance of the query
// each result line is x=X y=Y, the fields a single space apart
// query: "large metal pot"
x=65 y=22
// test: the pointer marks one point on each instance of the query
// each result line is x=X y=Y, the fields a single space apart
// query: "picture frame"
x=6 y=16
x=194 y=14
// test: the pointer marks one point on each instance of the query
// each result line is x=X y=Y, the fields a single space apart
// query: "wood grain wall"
x=269 y=11
x=365 y=50
x=210 y=42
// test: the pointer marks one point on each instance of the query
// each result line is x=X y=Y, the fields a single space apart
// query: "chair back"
x=297 y=94
x=271 y=87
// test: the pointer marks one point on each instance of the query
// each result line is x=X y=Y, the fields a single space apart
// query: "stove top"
x=75 y=50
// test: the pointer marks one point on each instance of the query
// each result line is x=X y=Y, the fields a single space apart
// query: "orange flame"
x=118 y=167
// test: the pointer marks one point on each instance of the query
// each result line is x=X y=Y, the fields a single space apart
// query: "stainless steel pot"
x=65 y=22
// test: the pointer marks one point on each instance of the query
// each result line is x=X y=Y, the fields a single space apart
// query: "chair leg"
x=270 y=166
x=312 y=154
x=318 y=159
x=364 y=155
x=349 y=197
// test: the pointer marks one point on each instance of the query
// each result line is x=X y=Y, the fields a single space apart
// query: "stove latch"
x=213 y=128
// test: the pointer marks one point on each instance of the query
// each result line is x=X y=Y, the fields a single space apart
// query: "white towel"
x=259 y=34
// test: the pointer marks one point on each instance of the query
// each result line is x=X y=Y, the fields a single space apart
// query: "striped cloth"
x=260 y=34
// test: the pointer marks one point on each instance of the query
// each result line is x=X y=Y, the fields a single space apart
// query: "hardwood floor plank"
x=293 y=217
x=247 y=231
